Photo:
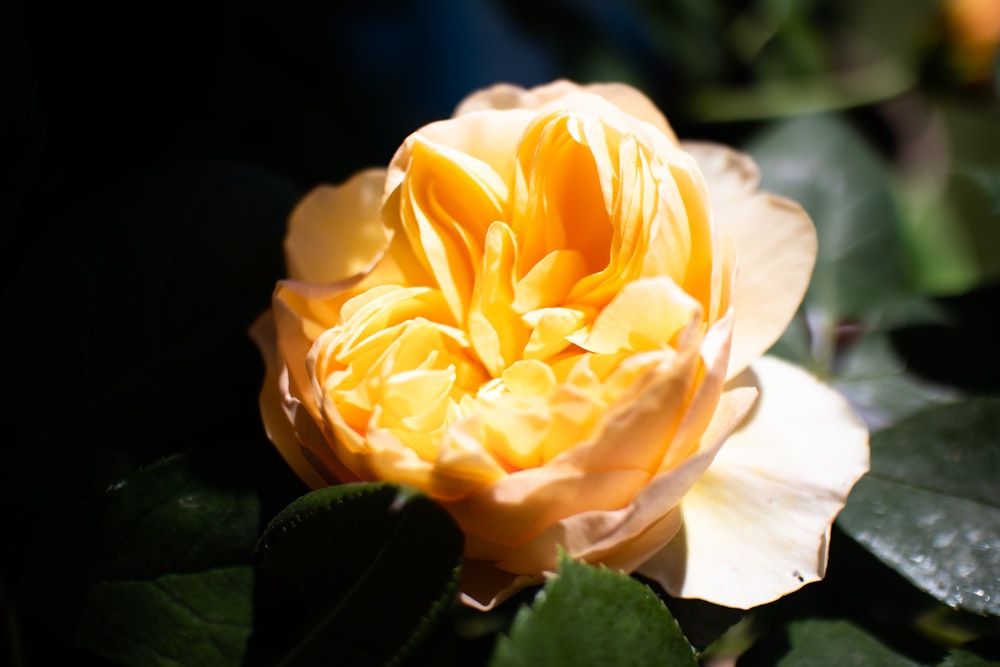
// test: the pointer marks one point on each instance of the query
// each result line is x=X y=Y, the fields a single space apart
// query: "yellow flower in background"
x=550 y=315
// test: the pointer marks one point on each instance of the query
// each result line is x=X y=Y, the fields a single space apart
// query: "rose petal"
x=276 y=420
x=449 y=478
x=620 y=538
x=524 y=503
x=483 y=586
x=775 y=249
x=336 y=232
x=597 y=535
x=508 y=96
x=302 y=312
x=633 y=102
x=497 y=333
x=554 y=94
x=605 y=472
x=645 y=315
x=486 y=137
x=756 y=524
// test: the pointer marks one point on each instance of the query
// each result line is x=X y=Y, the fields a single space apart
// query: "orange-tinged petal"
x=446 y=203
x=299 y=321
x=497 y=333
x=549 y=281
x=563 y=194
x=522 y=504
x=336 y=232
x=486 y=137
x=277 y=422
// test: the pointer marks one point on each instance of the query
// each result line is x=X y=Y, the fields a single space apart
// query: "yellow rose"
x=543 y=315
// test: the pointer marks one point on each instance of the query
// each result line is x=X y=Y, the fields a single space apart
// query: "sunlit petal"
x=756 y=524
x=775 y=246
x=336 y=232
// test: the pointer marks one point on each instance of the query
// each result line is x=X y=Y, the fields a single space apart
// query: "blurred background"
x=314 y=89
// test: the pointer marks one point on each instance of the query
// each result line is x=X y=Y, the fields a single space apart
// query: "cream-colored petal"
x=756 y=524
x=336 y=232
x=483 y=586
x=554 y=94
x=633 y=102
x=509 y=96
x=775 y=249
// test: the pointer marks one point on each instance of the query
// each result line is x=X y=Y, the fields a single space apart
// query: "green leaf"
x=821 y=642
x=593 y=616
x=703 y=622
x=820 y=162
x=953 y=230
x=159 y=568
x=859 y=288
x=358 y=572
x=966 y=659
x=184 y=514
x=177 y=619
x=868 y=371
x=873 y=378
x=796 y=95
x=930 y=507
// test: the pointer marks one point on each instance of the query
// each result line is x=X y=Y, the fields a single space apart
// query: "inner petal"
x=447 y=202
x=563 y=190
x=496 y=330
x=645 y=315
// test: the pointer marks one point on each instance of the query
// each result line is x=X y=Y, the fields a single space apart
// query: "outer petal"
x=507 y=96
x=756 y=524
x=775 y=249
x=277 y=422
x=336 y=232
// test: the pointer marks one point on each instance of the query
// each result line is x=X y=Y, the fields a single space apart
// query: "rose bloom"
x=549 y=315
